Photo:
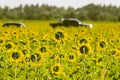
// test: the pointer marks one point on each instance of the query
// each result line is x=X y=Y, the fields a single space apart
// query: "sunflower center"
x=102 y=44
x=84 y=49
x=56 y=69
x=113 y=52
x=15 y=55
x=71 y=57
x=8 y=46
x=43 y=49
x=1 y=41
x=35 y=57
x=59 y=35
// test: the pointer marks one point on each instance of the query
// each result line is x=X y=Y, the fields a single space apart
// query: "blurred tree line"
x=46 y=12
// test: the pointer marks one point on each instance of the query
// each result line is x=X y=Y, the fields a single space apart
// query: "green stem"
x=15 y=70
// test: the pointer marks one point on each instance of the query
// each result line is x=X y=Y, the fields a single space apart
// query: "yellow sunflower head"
x=62 y=56
x=56 y=69
x=84 y=49
x=16 y=56
x=60 y=36
x=2 y=41
x=71 y=58
x=43 y=49
x=26 y=60
x=83 y=30
x=36 y=59
x=25 y=51
x=114 y=52
x=8 y=45
x=102 y=44
x=90 y=38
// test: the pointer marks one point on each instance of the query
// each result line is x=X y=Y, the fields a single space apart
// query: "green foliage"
x=46 y=12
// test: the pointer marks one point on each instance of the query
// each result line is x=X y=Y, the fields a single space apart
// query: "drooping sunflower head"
x=62 y=56
x=25 y=51
x=83 y=40
x=56 y=69
x=22 y=42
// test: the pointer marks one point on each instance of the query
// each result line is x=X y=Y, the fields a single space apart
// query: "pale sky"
x=59 y=3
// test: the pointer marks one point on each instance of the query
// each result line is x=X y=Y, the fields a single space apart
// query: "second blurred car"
x=17 y=24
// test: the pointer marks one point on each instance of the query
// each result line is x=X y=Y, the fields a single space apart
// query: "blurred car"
x=70 y=22
x=17 y=24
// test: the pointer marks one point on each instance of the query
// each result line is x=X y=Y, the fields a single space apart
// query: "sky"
x=59 y=3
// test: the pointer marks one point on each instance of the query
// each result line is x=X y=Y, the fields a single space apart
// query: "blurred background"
x=94 y=10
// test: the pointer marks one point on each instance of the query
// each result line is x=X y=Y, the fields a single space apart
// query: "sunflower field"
x=39 y=52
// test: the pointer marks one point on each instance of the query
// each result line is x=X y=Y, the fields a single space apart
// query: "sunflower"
x=43 y=36
x=96 y=60
x=84 y=49
x=2 y=41
x=15 y=34
x=9 y=46
x=90 y=38
x=62 y=56
x=43 y=49
x=16 y=56
x=83 y=31
x=36 y=59
x=25 y=51
x=60 y=36
x=102 y=44
x=27 y=59
x=56 y=69
x=71 y=58
x=114 y=52
x=111 y=41
x=83 y=40
x=6 y=33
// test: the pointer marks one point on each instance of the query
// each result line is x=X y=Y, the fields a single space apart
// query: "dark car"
x=70 y=22
x=17 y=24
